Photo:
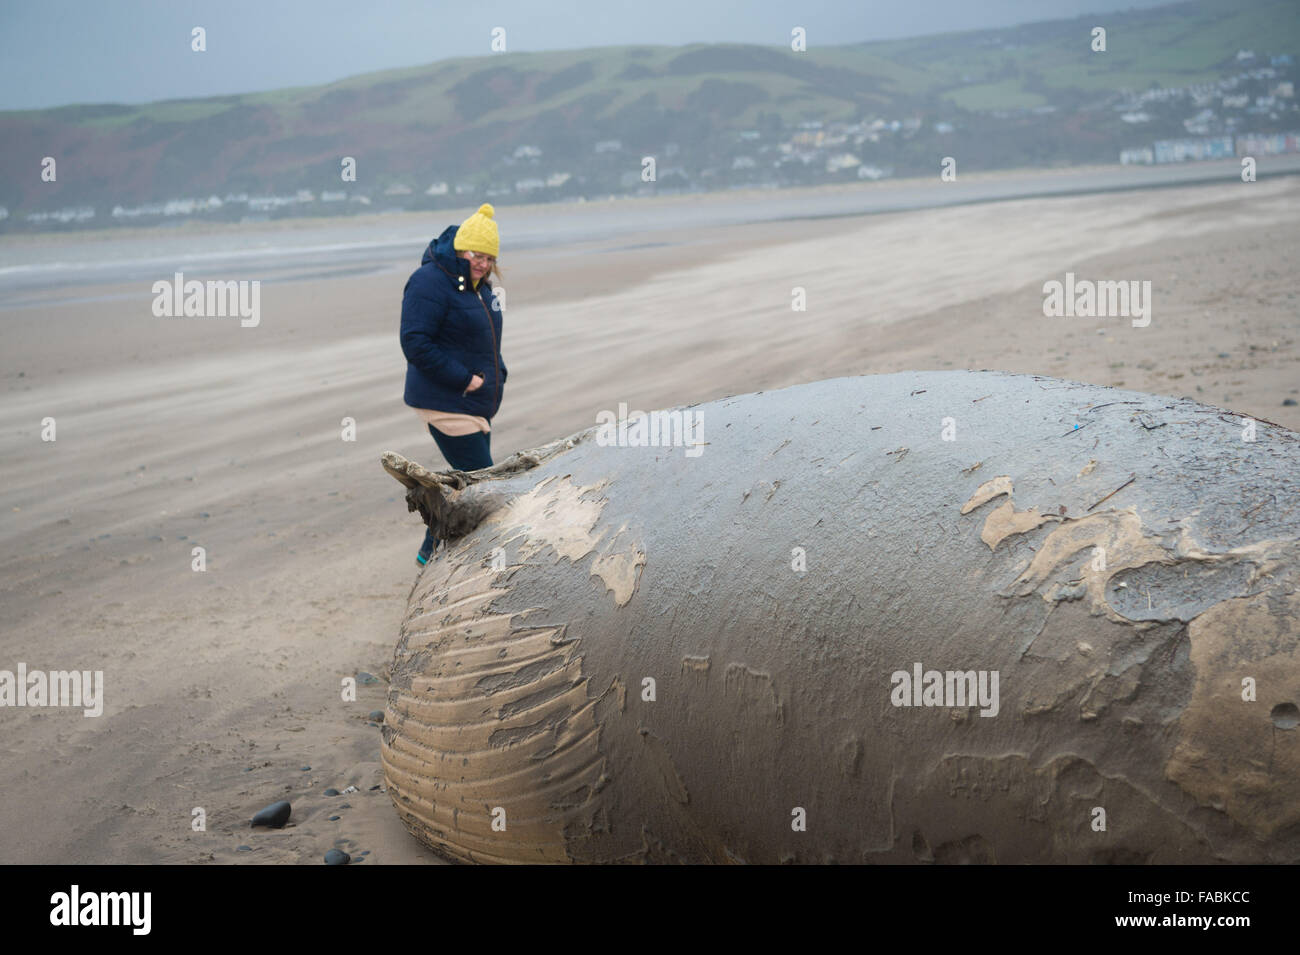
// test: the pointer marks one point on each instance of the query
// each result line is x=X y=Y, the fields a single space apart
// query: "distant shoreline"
x=269 y=251
x=1111 y=178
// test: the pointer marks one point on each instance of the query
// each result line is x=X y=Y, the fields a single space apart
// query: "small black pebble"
x=306 y=769
x=346 y=805
x=335 y=857
x=244 y=849
x=335 y=818
x=366 y=853
x=1288 y=401
x=331 y=791
x=378 y=715
x=274 y=815
x=363 y=677
x=374 y=787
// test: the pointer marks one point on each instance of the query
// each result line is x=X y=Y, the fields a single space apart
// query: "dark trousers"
x=464 y=452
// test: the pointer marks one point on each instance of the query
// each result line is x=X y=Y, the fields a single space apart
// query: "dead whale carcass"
x=945 y=616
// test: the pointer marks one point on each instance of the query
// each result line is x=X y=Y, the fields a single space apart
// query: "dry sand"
x=221 y=686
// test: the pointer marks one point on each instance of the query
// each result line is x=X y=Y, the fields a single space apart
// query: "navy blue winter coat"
x=450 y=332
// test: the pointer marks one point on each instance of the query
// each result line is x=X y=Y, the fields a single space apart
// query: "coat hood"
x=441 y=252
x=441 y=248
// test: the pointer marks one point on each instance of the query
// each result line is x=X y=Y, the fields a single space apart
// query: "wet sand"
x=221 y=686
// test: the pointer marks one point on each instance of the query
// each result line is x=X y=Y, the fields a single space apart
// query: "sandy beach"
x=223 y=688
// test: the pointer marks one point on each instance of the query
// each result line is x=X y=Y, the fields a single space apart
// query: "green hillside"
x=460 y=120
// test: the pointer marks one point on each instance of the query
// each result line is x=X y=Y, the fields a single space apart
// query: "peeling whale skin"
x=624 y=656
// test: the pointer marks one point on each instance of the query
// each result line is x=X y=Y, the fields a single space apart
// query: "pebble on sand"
x=274 y=815
x=365 y=679
x=331 y=791
x=337 y=857
x=378 y=715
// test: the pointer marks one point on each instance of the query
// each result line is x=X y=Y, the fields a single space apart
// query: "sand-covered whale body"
x=933 y=617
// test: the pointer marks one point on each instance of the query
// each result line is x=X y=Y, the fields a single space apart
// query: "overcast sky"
x=55 y=52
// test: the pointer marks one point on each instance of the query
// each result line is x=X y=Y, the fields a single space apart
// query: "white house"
x=842 y=161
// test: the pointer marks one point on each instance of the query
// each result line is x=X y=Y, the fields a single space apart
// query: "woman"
x=451 y=336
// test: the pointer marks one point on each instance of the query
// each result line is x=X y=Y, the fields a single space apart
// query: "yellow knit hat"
x=478 y=233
